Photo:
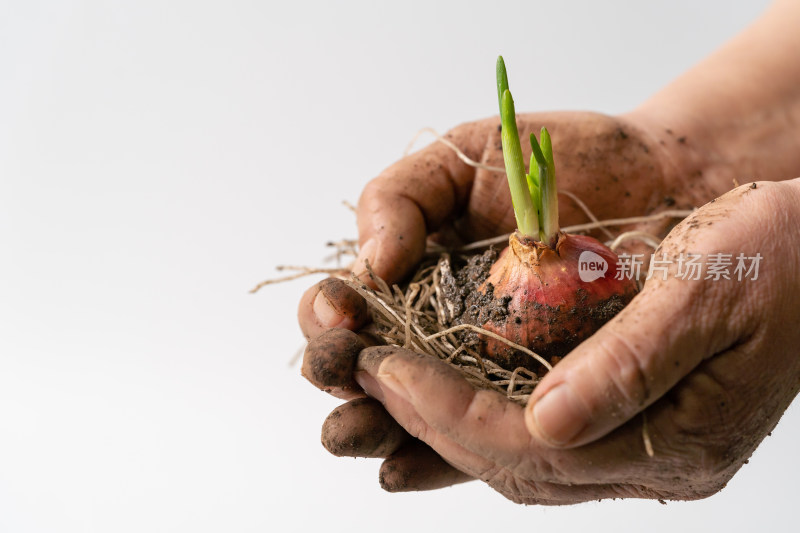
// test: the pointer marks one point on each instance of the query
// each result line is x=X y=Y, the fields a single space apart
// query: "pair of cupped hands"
x=707 y=365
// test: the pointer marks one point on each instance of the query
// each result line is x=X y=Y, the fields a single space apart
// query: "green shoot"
x=502 y=81
x=548 y=206
x=524 y=210
x=533 y=195
x=533 y=186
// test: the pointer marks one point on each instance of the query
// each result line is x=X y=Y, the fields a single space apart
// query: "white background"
x=157 y=159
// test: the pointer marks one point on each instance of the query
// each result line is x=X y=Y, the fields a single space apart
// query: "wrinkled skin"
x=711 y=364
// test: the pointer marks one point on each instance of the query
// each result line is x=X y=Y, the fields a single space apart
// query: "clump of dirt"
x=462 y=279
x=460 y=283
x=464 y=302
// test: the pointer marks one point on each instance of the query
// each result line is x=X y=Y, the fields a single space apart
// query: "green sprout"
x=533 y=195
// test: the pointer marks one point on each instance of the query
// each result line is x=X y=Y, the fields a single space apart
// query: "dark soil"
x=466 y=304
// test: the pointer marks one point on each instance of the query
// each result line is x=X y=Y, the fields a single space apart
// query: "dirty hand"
x=707 y=366
x=616 y=165
x=710 y=362
x=619 y=162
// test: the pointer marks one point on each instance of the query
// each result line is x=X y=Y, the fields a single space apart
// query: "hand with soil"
x=710 y=362
x=708 y=365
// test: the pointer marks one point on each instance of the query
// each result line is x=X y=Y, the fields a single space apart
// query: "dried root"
x=414 y=317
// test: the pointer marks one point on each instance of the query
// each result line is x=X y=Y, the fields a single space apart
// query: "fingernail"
x=366 y=253
x=326 y=313
x=370 y=385
x=559 y=415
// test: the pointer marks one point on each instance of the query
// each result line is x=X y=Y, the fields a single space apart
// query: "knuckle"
x=419 y=429
x=374 y=187
x=529 y=492
x=370 y=358
x=481 y=408
x=626 y=367
x=703 y=466
x=378 y=194
x=699 y=440
x=504 y=481
x=509 y=486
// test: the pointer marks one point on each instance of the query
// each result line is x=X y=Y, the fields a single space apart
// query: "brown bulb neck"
x=531 y=252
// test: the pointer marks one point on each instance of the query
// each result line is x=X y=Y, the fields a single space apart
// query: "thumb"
x=624 y=367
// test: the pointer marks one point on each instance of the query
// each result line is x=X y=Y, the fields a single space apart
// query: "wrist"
x=739 y=143
x=738 y=111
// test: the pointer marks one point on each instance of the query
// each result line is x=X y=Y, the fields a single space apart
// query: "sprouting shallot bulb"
x=550 y=308
x=535 y=294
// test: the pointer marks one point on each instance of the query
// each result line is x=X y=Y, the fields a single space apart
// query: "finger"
x=330 y=304
x=434 y=402
x=367 y=367
x=412 y=198
x=329 y=362
x=415 y=467
x=362 y=428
